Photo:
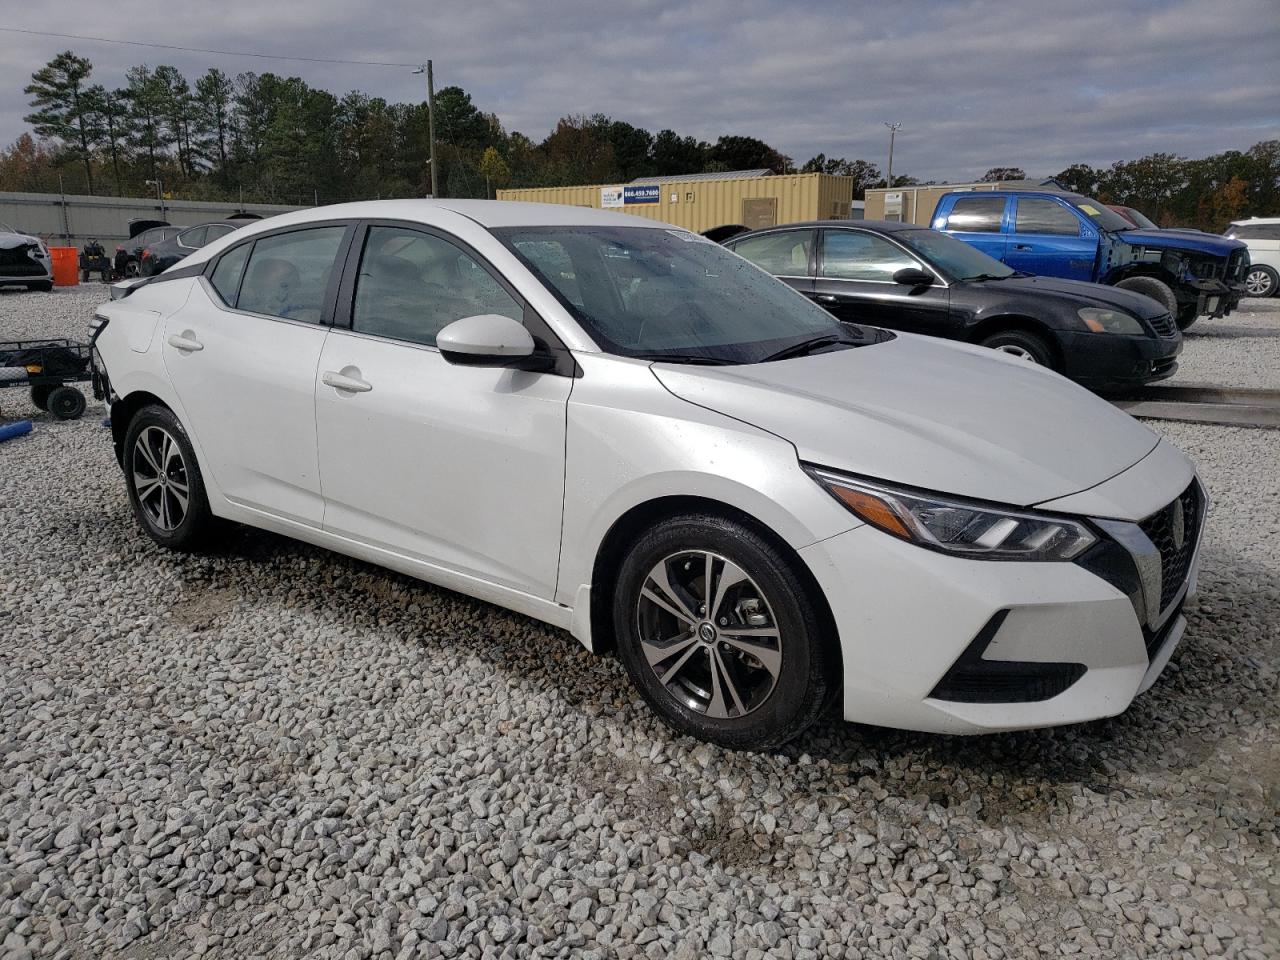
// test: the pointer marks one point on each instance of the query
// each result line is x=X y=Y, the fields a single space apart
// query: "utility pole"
x=893 y=130
x=431 y=125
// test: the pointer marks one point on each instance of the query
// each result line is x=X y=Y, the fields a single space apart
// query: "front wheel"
x=1023 y=345
x=1261 y=281
x=1152 y=287
x=164 y=481
x=720 y=634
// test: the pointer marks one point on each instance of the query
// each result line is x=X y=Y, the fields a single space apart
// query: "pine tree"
x=57 y=96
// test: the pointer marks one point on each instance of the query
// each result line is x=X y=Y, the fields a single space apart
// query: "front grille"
x=1238 y=266
x=19 y=262
x=1162 y=528
x=1155 y=639
x=1164 y=325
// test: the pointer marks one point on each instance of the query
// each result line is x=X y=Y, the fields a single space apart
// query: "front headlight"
x=976 y=530
x=1111 y=321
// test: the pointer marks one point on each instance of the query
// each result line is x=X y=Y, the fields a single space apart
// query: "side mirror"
x=913 y=277
x=486 y=340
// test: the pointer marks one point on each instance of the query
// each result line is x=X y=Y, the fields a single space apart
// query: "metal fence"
x=70 y=220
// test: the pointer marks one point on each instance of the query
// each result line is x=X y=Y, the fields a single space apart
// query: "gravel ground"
x=274 y=751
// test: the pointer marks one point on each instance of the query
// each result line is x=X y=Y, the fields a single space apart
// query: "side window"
x=148 y=237
x=783 y=254
x=412 y=285
x=217 y=230
x=1045 y=216
x=226 y=275
x=976 y=214
x=193 y=238
x=287 y=274
x=851 y=255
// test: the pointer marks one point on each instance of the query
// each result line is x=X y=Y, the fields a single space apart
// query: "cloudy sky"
x=975 y=84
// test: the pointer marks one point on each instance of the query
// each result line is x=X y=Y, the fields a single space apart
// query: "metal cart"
x=48 y=367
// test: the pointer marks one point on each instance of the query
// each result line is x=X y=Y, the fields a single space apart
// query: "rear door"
x=242 y=355
x=855 y=283
x=979 y=219
x=1049 y=239
x=787 y=254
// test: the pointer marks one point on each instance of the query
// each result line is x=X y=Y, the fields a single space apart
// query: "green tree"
x=748 y=153
x=999 y=174
x=214 y=97
x=495 y=170
x=111 y=109
x=146 y=99
x=59 y=108
x=673 y=154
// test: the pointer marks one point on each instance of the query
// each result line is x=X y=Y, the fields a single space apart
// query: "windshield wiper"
x=691 y=358
x=985 y=276
x=808 y=346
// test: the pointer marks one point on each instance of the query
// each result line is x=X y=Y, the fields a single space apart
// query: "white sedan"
x=627 y=431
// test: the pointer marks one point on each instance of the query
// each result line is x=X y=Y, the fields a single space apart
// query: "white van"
x=1262 y=236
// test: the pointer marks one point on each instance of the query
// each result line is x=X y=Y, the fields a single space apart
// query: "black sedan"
x=911 y=278
x=161 y=255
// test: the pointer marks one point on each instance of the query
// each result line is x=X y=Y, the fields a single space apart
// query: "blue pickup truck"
x=1053 y=233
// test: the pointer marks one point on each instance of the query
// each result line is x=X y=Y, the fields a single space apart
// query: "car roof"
x=879 y=226
x=1266 y=220
x=487 y=213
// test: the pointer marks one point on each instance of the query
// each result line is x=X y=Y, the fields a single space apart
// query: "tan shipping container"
x=702 y=204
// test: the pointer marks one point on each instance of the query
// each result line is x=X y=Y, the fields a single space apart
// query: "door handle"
x=185 y=341
x=827 y=298
x=342 y=381
x=1022 y=246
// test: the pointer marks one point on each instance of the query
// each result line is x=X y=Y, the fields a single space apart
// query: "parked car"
x=24 y=260
x=906 y=277
x=1262 y=236
x=1134 y=216
x=1058 y=234
x=623 y=429
x=142 y=234
x=162 y=254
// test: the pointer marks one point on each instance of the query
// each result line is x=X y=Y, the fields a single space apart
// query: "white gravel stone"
x=274 y=751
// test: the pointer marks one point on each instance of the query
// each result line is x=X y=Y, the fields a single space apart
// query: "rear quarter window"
x=976 y=214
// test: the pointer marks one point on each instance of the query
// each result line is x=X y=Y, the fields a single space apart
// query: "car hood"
x=10 y=240
x=1178 y=240
x=928 y=413
x=1084 y=294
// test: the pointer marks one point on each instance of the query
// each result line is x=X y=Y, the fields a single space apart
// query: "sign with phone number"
x=625 y=196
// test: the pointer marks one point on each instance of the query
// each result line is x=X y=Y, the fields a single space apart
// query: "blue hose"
x=17 y=429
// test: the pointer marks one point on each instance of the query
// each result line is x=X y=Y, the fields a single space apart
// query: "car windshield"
x=955 y=257
x=1141 y=219
x=1101 y=214
x=658 y=294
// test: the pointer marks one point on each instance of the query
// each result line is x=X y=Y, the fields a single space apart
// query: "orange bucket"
x=66 y=266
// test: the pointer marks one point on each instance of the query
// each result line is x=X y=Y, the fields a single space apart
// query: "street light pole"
x=893 y=130
x=431 y=125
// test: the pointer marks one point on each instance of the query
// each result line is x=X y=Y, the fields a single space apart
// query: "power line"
x=224 y=53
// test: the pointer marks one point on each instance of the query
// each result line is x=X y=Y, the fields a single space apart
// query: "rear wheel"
x=720 y=635
x=65 y=403
x=1152 y=287
x=1023 y=345
x=164 y=482
x=1261 y=281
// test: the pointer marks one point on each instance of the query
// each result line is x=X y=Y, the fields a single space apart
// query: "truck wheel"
x=1023 y=345
x=40 y=395
x=1157 y=290
x=1187 y=315
x=66 y=403
x=1261 y=281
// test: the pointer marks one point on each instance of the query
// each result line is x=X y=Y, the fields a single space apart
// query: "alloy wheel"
x=160 y=478
x=1258 y=283
x=709 y=635
x=1022 y=353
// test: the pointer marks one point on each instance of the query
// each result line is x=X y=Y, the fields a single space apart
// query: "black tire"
x=1024 y=344
x=65 y=403
x=197 y=524
x=1261 y=281
x=40 y=395
x=41 y=286
x=780 y=703
x=1152 y=287
x=1187 y=315
x=84 y=275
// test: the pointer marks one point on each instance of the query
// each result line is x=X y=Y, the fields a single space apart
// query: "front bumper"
x=908 y=618
x=1101 y=360
x=1214 y=298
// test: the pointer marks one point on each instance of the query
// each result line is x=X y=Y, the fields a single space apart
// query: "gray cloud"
x=975 y=83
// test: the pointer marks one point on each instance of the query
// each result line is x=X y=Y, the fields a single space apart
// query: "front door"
x=243 y=352
x=1048 y=240
x=855 y=282
x=787 y=254
x=458 y=466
